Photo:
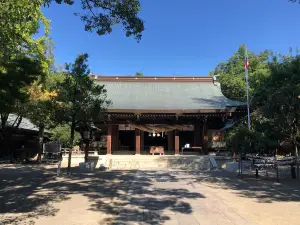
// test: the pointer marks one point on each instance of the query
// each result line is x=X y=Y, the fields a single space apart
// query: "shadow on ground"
x=126 y=196
x=263 y=190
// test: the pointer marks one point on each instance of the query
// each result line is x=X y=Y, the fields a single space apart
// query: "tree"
x=15 y=77
x=39 y=109
x=62 y=133
x=232 y=73
x=24 y=56
x=81 y=101
x=138 y=74
x=19 y=21
x=278 y=98
x=101 y=15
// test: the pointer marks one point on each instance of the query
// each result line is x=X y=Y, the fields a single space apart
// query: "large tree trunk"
x=41 y=141
x=71 y=146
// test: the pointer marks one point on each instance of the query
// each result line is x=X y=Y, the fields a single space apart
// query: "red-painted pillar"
x=114 y=138
x=137 y=142
x=205 y=138
x=171 y=141
x=108 y=139
x=142 y=140
x=176 y=143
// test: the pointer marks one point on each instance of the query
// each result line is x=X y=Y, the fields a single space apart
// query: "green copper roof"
x=25 y=124
x=166 y=95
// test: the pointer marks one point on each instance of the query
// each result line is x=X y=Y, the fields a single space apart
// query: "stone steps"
x=132 y=162
x=159 y=162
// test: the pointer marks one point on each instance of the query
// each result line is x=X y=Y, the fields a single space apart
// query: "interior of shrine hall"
x=127 y=139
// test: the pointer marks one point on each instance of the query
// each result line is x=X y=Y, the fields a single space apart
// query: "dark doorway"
x=186 y=137
x=127 y=140
x=150 y=140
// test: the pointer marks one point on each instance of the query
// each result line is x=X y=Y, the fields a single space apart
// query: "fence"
x=66 y=151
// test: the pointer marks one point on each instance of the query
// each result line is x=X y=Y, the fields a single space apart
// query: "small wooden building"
x=24 y=140
x=168 y=114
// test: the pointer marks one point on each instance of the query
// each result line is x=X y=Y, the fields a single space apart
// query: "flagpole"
x=248 y=107
x=247 y=90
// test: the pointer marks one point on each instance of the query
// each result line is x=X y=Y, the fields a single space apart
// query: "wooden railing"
x=66 y=151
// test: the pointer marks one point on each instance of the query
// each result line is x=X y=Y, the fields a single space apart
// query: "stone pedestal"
x=232 y=166
x=87 y=166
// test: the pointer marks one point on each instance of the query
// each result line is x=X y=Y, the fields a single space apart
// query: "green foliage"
x=278 y=96
x=40 y=107
x=232 y=73
x=240 y=139
x=62 y=133
x=102 y=15
x=138 y=74
x=267 y=128
x=23 y=57
x=15 y=77
x=276 y=106
x=19 y=21
x=81 y=101
x=264 y=133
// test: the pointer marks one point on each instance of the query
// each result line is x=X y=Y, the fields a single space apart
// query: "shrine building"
x=165 y=115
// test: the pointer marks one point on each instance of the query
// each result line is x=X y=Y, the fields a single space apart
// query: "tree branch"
x=4 y=117
x=19 y=122
x=17 y=118
x=89 y=7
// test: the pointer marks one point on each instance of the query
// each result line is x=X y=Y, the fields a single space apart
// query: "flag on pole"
x=246 y=62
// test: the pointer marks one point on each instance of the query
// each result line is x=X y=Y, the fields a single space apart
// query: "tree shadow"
x=122 y=196
x=262 y=190
x=218 y=102
x=19 y=193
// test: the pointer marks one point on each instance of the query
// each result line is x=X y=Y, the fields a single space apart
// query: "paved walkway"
x=34 y=195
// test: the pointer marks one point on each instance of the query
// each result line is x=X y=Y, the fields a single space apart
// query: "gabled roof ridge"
x=152 y=78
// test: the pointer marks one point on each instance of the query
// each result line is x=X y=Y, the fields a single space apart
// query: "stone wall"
x=130 y=162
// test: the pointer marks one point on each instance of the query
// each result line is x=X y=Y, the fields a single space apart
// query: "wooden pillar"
x=176 y=142
x=137 y=142
x=142 y=140
x=205 y=137
x=197 y=135
x=108 y=139
x=115 y=138
x=171 y=141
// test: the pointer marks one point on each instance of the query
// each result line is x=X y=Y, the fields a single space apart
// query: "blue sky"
x=181 y=38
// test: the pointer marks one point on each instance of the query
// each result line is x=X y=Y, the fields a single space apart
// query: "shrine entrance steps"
x=136 y=162
x=116 y=162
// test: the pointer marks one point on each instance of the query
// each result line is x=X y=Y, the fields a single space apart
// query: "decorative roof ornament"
x=216 y=83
